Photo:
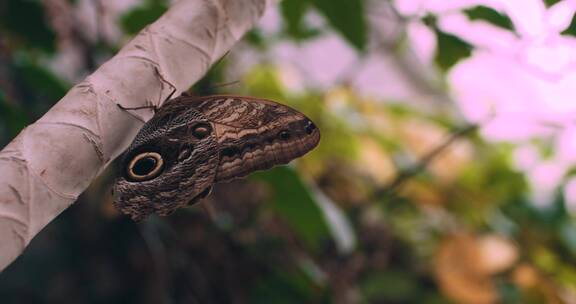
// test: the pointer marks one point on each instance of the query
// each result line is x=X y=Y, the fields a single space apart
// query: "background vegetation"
x=402 y=202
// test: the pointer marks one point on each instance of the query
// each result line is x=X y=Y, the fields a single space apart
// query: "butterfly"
x=193 y=142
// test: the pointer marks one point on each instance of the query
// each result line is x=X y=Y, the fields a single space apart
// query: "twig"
x=224 y=84
x=404 y=175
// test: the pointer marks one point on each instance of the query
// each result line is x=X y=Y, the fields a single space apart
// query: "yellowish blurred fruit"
x=375 y=162
x=456 y=269
x=422 y=193
x=525 y=276
x=465 y=263
x=338 y=99
x=497 y=253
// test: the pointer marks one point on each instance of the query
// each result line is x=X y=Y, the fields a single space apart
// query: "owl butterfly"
x=192 y=143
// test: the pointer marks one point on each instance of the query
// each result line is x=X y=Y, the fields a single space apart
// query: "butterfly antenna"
x=221 y=59
x=128 y=110
x=219 y=85
x=149 y=106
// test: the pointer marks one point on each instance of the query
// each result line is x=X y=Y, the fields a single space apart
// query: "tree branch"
x=404 y=175
x=46 y=167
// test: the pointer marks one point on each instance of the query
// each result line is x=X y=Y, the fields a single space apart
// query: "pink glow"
x=527 y=87
x=479 y=33
x=423 y=40
x=328 y=61
x=325 y=60
x=559 y=16
x=421 y=7
x=519 y=85
x=565 y=145
x=522 y=83
x=528 y=16
x=270 y=22
x=544 y=178
x=526 y=157
x=377 y=78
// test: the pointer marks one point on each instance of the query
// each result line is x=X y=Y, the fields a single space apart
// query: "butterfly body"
x=193 y=142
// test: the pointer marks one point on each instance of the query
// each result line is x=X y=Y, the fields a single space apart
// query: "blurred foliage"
x=451 y=49
x=36 y=77
x=549 y=3
x=25 y=22
x=485 y=13
x=293 y=12
x=138 y=18
x=328 y=229
x=571 y=30
x=346 y=16
x=294 y=202
x=14 y=118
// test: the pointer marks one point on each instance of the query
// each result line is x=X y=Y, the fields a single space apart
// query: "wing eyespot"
x=284 y=135
x=145 y=166
x=185 y=152
x=201 y=130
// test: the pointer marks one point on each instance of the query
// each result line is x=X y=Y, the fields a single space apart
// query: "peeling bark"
x=46 y=167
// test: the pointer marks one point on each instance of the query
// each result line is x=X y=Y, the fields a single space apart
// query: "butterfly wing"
x=256 y=134
x=193 y=142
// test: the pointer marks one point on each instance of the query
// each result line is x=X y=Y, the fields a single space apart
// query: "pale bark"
x=46 y=167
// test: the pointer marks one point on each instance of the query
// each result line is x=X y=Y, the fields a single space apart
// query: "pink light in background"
x=526 y=157
x=523 y=81
x=566 y=145
x=423 y=40
x=325 y=61
x=328 y=60
x=545 y=178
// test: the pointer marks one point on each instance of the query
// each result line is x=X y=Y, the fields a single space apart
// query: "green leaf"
x=509 y=293
x=209 y=84
x=293 y=12
x=25 y=21
x=347 y=17
x=255 y=38
x=451 y=49
x=296 y=205
x=282 y=286
x=138 y=18
x=40 y=79
x=11 y=117
x=571 y=30
x=568 y=235
x=549 y=3
x=337 y=222
x=490 y=15
x=390 y=286
x=266 y=82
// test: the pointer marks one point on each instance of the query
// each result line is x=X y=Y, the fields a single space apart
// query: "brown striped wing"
x=203 y=140
x=256 y=134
